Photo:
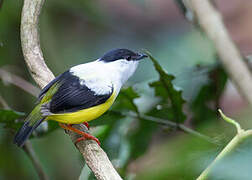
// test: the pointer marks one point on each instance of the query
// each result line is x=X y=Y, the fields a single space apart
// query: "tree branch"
x=210 y=21
x=31 y=154
x=95 y=157
x=29 y=150
x=172 y=124
x=19 y=82
x=30 y=42
x=4 y=103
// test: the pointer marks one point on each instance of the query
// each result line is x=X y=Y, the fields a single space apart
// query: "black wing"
x=71 y=96
x=49 y=85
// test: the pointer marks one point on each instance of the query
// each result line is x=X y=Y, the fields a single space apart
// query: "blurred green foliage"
x=81 y=31
x=236 y=164
x=165 y=89
x=9 y=117
x=209 y=93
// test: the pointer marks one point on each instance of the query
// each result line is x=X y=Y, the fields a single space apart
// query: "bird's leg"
x=86 y=124
x=84 y=135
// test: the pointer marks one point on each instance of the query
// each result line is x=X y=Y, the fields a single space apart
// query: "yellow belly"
x=83 y=115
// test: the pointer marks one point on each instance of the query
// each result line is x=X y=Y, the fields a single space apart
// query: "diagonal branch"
x=19 y=82
x=4 y=103
x=30 y=43
x=172 y=124
x=95 y=157
x=29 y=150
x=209 y=19
x=35 y=161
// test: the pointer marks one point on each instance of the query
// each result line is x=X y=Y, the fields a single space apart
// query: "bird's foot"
x=84 y=134
x=87 y=125
x=87 y=136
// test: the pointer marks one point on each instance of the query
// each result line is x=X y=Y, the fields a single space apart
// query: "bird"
x=82 y=93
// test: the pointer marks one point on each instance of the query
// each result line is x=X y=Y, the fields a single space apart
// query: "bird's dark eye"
x=128 y=58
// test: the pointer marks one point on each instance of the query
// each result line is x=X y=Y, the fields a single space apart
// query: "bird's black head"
x=118 y=54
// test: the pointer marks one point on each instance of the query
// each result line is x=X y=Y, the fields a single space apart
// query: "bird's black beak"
x=141 y=56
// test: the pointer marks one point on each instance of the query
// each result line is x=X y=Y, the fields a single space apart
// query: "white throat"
x=120 y=71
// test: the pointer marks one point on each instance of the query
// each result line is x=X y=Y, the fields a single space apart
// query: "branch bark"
x=35 y=161
x=4 y=103
x=29 y=150
x=95 y=157
x=19 y=82
x=30 y=42
x=210 y=21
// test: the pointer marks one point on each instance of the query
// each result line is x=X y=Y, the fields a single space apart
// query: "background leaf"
x=206 y=103
x=9 y=117
x=164 y=88
x=125 y=100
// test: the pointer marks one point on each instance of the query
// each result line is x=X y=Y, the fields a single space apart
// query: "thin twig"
x=230 y=147
x=4 y=103
x=210 y=21
x=240 y=137
x=231 y=121
x=19 y=82
x=95 y=157
x=35 y=161
x=197 y=134
x=29 y=151
x=174 y=125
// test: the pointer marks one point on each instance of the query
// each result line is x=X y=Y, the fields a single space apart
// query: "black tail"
x=25 y=132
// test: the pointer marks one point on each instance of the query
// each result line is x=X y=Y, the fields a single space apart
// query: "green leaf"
x=52 y=125
x=125 y=100
x=108 y=118
x=140 y=138
x=9 y=117
x=165 y=89
x=209 y=94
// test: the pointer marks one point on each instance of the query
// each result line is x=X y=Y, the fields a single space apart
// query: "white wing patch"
x=99 y=86
x=93 y=77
